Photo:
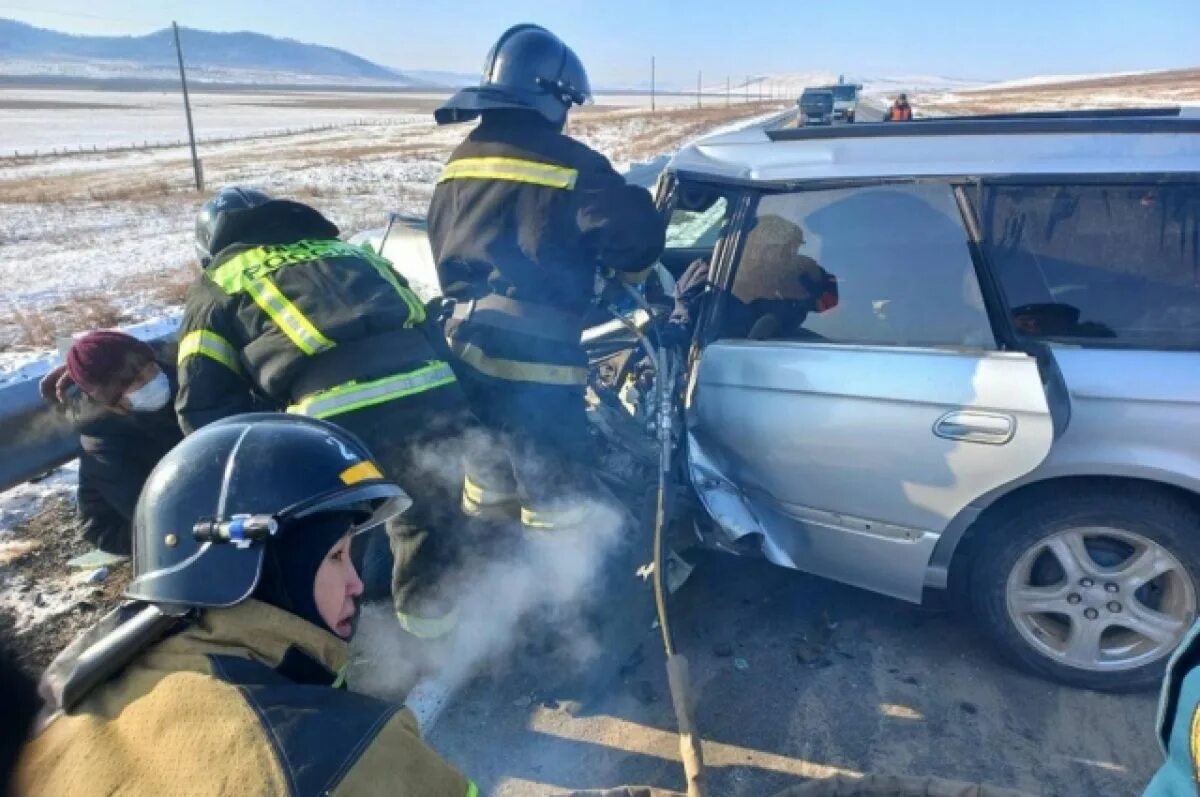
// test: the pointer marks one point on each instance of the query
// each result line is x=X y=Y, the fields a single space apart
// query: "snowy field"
x=105 y=239
x=42 y=120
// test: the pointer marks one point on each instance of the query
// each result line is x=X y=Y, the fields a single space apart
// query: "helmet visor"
x=375 y=503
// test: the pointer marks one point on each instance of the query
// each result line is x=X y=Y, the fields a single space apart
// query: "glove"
x=675 y=336
x=438 y=309
x=54 y=385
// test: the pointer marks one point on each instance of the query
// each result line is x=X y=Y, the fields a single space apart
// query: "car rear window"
x=1098 y=264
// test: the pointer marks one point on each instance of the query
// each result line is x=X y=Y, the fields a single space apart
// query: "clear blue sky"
x=872 y=38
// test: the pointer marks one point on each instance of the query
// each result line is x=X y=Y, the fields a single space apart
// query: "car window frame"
x=999 y=317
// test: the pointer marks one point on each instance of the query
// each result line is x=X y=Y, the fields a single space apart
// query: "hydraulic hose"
x=678 y=677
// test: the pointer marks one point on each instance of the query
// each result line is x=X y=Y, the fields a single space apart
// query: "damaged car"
x=958 y=356
x=956 y=360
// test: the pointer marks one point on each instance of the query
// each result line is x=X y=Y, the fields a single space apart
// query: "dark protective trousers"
x=418 y=442
x=542 y=469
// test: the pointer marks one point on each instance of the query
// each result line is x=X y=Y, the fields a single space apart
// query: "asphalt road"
x=798 y=678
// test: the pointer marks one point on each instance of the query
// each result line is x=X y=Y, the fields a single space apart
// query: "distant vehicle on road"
x=816 y=107
x=845 y=101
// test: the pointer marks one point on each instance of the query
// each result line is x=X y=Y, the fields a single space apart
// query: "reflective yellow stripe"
x=514 y=169
x=360 y=472
x=288 y=317
x=356 y=395
x=416 y=308
x=634 y=277
x=239 y=273
x=211 y=345
x=472 y=789
x=477 y=498
x=236 y=273
x=340 y=681
x=428 y=627
x=517 y=371
x=552 y=519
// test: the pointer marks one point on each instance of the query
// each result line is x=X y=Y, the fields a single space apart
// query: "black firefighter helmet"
x=214 y=501
x=245 y=215
x=528 y=68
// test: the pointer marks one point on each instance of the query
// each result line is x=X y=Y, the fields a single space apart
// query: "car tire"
x=1011 y=580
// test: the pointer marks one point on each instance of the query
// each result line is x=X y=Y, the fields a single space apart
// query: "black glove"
x=675 y=336
x=438 y=309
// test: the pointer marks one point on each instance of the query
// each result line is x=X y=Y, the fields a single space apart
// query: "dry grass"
x=169 y=287
x=652 y=133
x=42 y=327
x=102 y=186
x=1122 y=91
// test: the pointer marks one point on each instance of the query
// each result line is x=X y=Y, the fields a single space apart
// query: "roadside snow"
x=17 y=504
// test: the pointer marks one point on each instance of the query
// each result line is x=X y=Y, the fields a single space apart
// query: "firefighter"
x=900 y=111
x=234 y=683
x=126 y=424
x=522 y=222
x=288 y=317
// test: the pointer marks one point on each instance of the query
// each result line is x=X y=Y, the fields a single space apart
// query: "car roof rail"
x=1109 y=120
x=1078 y=113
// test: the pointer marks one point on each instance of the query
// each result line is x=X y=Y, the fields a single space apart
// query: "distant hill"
x=219 y=57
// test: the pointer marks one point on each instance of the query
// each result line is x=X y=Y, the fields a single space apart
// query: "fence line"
x=95 y=149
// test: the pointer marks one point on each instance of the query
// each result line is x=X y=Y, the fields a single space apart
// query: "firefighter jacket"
x=523 y=220
x=119 y=451
x=299 y=320
x=1179 y=722
x=243 y=701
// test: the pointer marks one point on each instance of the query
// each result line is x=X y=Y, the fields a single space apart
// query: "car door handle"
x=976 y=427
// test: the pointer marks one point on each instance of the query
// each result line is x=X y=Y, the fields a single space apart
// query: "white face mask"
x=152 y=396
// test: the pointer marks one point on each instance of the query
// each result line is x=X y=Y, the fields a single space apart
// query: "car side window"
x=887 y=265
x=1098 y=264
x=697 y=229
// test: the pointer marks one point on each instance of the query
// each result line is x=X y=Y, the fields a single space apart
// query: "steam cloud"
x=507 y=596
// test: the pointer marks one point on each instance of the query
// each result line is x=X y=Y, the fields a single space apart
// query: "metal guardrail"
x=36 y=437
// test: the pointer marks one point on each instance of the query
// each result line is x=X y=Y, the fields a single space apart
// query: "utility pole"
x=187 y=109
x=651 y=83
x=699 y=74
x=747 y=89
x=727 y=91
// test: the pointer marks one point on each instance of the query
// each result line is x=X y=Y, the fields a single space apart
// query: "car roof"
x=1089 y=142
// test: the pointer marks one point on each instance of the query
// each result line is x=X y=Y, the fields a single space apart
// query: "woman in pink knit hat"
x=124 y=412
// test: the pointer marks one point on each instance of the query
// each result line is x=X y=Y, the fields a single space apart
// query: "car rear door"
x=851 y=399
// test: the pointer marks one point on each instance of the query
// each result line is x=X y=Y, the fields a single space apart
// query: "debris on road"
x=741 y=664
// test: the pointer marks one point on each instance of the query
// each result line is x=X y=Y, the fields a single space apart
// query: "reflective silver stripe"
x=353 y=396
x=571 y=516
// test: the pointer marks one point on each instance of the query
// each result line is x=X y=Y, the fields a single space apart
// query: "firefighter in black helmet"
x=288 y=317
x=224 y=672
x=523 y=221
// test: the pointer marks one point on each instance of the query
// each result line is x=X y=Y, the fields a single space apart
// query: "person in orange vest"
x=900 y=111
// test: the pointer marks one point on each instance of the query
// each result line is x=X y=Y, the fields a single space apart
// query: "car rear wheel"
x=1092 y=590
